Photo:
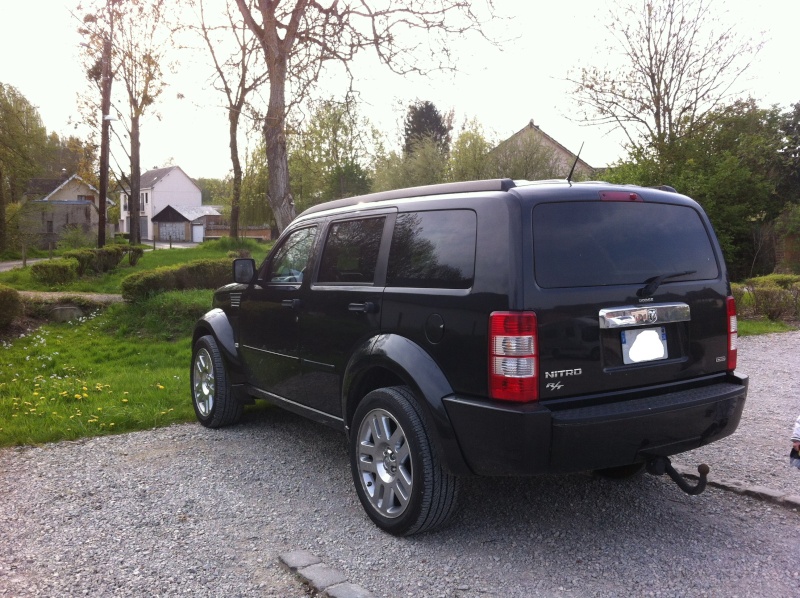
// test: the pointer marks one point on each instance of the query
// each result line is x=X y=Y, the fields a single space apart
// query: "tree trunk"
x=279 y=194
x=233 y=121
x=136 y=173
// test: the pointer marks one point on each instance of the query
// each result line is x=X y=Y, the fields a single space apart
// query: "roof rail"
x=440 y=189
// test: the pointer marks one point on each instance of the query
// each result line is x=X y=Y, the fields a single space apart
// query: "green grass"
x=20 y=279
x=116 y=371
x=763 y=326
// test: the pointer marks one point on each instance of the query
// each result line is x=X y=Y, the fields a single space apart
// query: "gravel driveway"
x=196 y=512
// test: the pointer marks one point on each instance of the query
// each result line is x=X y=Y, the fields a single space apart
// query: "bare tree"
x=299 y=37
x=237 y=78
x=680 y=64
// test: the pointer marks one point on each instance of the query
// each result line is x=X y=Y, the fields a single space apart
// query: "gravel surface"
x=189 y=511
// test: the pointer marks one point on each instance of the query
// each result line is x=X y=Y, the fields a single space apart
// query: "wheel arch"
x=216 y=323
x=393 y=360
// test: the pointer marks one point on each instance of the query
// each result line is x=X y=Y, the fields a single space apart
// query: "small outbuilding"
x=182 y=223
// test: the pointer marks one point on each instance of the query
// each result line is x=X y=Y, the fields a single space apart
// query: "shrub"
x=772 y=301
x=199 y=274
x=743 y=298
x=109 y=257
x=783 y=281
x=74 y=237
x=85 y=257
x=58 y=271
x=134 y=255
x=10 y=306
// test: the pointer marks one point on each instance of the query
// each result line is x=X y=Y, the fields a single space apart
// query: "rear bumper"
x=508 y=439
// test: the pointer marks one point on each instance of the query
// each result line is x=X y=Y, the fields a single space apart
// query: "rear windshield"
x=579 y=244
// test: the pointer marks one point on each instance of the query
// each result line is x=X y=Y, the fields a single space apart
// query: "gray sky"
x=502 y=88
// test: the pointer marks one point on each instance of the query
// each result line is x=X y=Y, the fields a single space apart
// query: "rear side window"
x=433 y=250
x=351 y=251
x=579 y=244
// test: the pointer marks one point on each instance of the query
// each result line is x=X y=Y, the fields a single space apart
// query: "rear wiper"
x=653 y=283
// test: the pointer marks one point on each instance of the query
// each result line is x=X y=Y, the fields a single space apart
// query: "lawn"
x=20 y=279
x=113 y=371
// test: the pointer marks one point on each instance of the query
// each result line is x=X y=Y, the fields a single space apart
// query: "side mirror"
x=243 y=270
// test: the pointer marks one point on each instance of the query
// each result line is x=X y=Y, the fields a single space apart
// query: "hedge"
x=199 y=274
x=58 y=271
x=10 y=306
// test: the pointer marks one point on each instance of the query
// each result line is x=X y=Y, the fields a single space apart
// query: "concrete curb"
x=783 y=499
x=329 y=582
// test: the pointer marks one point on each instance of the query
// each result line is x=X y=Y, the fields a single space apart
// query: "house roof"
x=184 y=213
x=533 y=126
x=48 y=187
x=152 y=177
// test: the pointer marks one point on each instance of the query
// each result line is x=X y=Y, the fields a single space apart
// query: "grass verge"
x=121 y=370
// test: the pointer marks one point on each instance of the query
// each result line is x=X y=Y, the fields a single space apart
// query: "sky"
x=503 y=87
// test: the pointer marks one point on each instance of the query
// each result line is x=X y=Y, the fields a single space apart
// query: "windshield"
x=579 y=244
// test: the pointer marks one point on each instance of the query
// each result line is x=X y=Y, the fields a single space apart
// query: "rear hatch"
x=630 y=293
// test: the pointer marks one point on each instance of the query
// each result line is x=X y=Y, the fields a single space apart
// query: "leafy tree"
x=424 y=121
x=23 y=141
x=254 y=210
x=300 y=37
x=681 y=65
x=327 y=155
x=425 y=165
x=214 y=191
x=789 y=181
x=469 y=156
x=730 y=166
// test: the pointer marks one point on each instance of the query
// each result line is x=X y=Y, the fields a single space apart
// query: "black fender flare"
x=416 y=368
x=216 y=323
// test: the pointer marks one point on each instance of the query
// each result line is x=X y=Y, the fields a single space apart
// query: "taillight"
x=513 y=356
x=733 y=333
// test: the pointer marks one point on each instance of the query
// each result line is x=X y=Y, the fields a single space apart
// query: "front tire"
x=214 y=404
x=397 y=474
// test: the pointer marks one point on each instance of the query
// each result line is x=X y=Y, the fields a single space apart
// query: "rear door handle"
x=292 y=303
x=368 y=307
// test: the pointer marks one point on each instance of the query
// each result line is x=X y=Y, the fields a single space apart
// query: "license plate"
x=644 y=344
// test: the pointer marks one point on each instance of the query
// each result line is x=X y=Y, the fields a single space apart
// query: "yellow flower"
x=159 y=387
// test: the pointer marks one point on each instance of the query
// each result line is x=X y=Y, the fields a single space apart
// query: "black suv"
x=490 y=328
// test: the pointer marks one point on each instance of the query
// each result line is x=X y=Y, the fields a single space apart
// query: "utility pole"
x=105 y=108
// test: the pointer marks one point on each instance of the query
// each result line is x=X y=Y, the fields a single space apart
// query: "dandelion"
x=159 y=387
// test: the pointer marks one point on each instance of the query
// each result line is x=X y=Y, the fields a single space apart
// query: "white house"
x=160 y=188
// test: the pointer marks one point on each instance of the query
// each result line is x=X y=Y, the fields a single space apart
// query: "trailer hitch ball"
x=662 y=465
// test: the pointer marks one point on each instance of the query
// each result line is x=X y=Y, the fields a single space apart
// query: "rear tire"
x=214 y=404
x=397 y=474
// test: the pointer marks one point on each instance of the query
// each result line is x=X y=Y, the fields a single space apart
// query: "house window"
x=144 y=197
x=82 y=198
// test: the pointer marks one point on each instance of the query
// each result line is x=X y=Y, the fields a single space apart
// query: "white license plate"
x=644 y=344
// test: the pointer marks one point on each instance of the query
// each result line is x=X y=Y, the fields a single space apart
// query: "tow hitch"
x=662 y=465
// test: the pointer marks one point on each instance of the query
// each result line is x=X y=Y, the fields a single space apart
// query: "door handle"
x=368 y=307
x=292 y=303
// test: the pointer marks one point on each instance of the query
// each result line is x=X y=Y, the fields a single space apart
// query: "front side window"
x=351 y=251
x=433 y=250
x=289 y=263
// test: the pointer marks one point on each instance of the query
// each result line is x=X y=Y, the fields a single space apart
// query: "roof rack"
x=440 y=189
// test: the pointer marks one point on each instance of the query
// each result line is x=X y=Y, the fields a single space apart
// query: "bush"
x=199 y=274
x=74 y=237
x=10 y=306
x=85 y=257
x=743 y=298
x=783 y=281
x=108 y=257
x=773 y=302
x=134 y=255
x=58 y=271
